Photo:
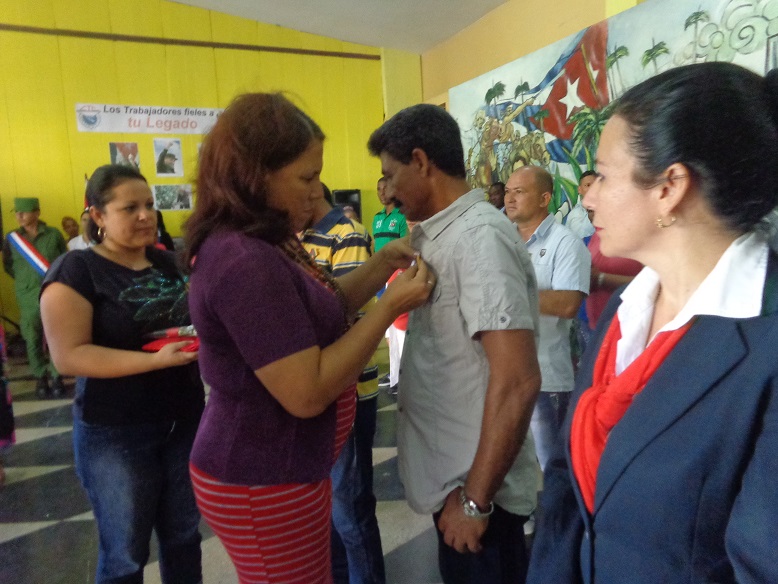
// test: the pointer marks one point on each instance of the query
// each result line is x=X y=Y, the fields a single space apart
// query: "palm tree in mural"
x=613 y=59
x=539 y=116
x=495 y=93
x=695 y=18
x=652 y=54
x=589 y=123
x=521 y=89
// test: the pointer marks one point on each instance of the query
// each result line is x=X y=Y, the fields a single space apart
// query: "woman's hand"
x=410 y=289
x=397 y=254
x=67 y=319
x=171 y=355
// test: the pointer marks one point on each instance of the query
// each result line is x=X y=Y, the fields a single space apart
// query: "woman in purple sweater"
x=276 y=342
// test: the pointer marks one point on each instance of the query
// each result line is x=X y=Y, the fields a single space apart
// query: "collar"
x=542 y=230
x=330 y=220
x=392 y=212
x=733 y=289
x=23 y=232
x=438 y=223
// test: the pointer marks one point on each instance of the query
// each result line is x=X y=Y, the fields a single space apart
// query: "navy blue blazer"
x=687 y=487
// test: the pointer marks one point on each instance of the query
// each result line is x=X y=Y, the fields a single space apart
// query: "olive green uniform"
x=50 y=244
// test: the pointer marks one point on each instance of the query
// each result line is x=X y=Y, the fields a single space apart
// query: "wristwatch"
x=472 y=509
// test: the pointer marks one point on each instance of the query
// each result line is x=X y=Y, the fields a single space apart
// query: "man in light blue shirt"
x=577 y=220
x=562 y=266
x=469 y=375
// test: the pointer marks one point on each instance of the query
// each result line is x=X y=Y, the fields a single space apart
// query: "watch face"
x=471 y=508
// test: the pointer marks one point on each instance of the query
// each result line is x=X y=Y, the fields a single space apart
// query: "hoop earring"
x=662 y=225
x=101 y=233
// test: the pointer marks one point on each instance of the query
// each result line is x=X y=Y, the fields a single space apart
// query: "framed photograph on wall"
x=124 y=153
x=167 y=153
x=173 y=197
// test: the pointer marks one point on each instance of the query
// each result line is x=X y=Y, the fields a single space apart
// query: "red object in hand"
x=401 y=322
x=157 y=344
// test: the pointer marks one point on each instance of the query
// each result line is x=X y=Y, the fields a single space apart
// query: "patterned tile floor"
x=47 y=531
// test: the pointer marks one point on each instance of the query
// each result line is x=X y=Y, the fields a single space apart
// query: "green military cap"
x=26 y=204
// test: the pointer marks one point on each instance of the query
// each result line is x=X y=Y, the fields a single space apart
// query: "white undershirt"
x=733 y=289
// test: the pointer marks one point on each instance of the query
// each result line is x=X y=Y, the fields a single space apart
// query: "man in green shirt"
x=27 y=252
x=390 y=223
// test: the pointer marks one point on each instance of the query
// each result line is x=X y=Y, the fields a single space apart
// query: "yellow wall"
x=615 y=6
x=402 y=80
x=508 y=32
x=42 y=78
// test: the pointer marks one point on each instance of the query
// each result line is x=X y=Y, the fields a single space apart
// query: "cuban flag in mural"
x=578 y=79
x=549 y=108
x=542 y=110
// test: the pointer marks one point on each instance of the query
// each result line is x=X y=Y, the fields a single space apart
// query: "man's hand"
x=459 y=531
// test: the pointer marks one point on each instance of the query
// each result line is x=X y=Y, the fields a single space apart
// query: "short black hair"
x=585 y=174
x=499 y=184
x=718 y=119
x=424 y=126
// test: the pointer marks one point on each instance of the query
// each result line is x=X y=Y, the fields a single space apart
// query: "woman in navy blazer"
x=679 y=485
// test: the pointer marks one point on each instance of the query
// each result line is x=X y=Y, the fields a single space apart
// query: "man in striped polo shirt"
x=339 y=245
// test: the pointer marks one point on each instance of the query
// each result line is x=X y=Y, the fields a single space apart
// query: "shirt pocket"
x=544 y=268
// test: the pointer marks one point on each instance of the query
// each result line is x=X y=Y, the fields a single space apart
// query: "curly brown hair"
x=257 y=134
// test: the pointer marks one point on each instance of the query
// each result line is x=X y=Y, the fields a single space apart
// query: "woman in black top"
x=135 y=413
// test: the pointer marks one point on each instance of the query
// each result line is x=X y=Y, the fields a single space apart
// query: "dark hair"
x=327 y=194
x=585 y=174
x=163 y=236
x=424 y=126
x=499 y=184
x=99 y=189
x=257 y=134
x=719 y=120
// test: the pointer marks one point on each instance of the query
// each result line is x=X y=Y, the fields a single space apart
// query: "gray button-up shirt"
x=485 y=283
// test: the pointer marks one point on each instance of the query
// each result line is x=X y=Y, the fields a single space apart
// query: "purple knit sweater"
x=252 y=306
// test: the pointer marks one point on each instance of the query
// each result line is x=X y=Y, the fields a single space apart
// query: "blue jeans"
x=502 y=559
x=137 y=479
x=357 y=557
x=546 y=424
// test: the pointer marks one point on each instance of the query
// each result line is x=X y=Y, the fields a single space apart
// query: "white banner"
x=143 y=119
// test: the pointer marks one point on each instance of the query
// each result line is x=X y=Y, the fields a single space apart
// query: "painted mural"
x=549 y=108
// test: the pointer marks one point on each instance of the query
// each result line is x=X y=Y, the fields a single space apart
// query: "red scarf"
x=605 y=402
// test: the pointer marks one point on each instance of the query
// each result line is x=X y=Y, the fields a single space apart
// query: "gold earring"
x=101 y=233
x=661 y=224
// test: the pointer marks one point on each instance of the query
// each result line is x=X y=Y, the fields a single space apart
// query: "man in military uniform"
x=27 y=253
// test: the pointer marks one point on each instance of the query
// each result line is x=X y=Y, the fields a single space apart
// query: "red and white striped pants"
x=276 y=533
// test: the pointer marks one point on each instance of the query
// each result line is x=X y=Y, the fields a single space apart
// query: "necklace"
x=294 y=250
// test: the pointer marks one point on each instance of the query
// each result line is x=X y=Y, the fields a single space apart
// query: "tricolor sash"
x=27 y=250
